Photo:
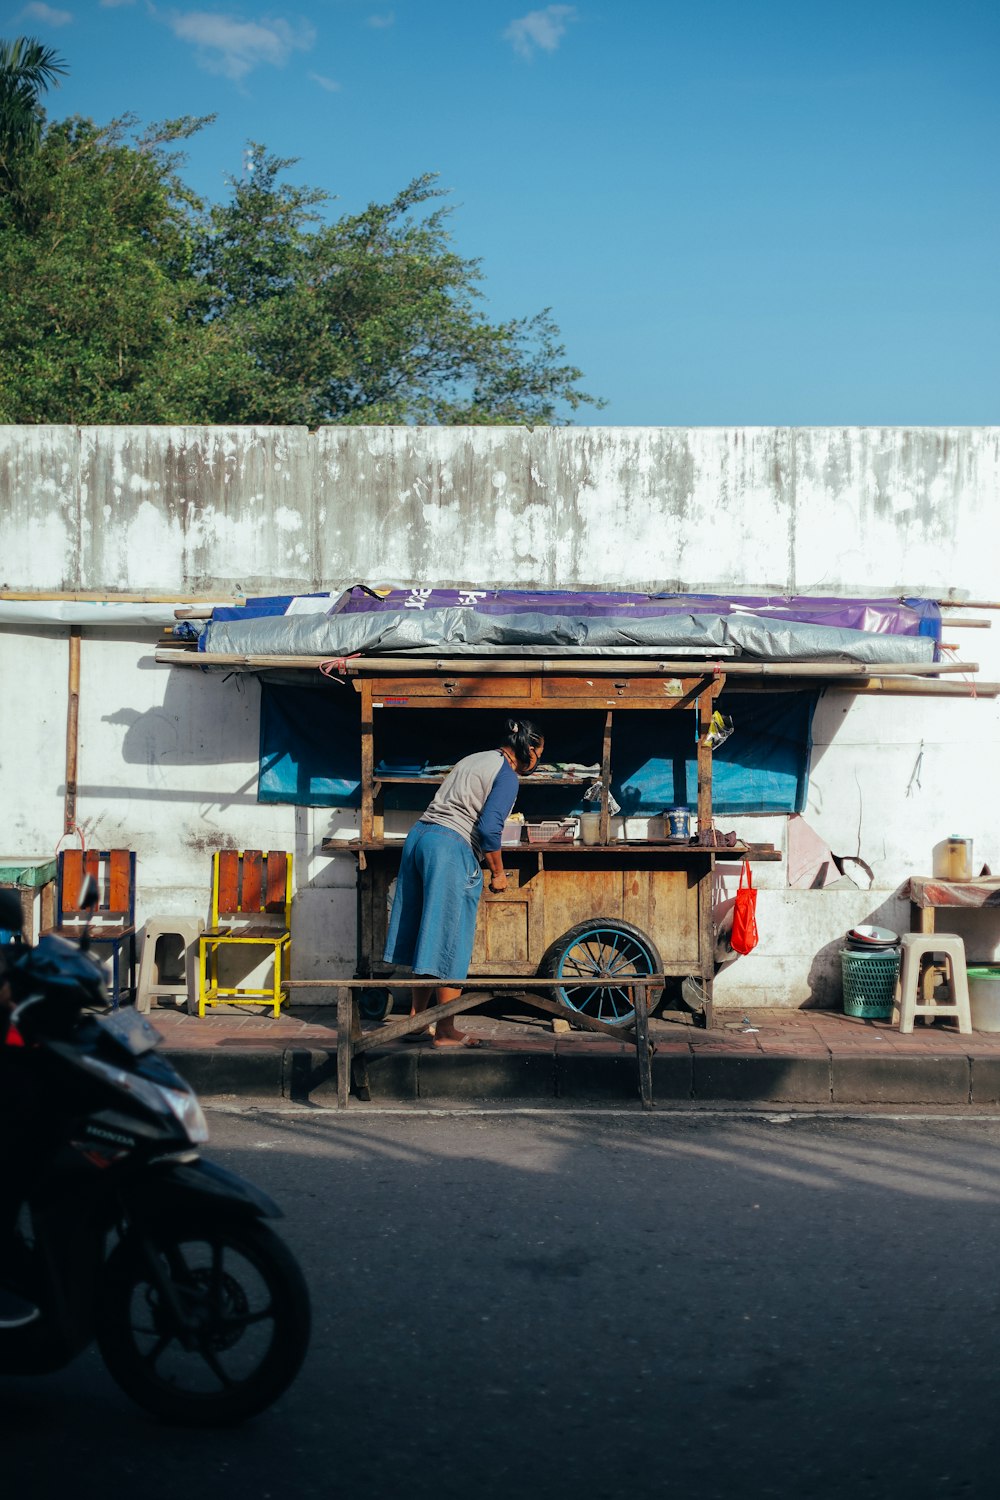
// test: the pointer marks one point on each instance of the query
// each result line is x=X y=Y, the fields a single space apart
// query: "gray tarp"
x=460 y=632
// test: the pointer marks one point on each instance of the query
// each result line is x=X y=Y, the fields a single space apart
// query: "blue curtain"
x=310 y=751
x=763 y=767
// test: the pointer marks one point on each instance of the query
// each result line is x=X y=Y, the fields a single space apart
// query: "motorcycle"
x=122 y=1232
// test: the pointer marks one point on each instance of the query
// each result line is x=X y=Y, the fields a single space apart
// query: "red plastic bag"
x=744 y=934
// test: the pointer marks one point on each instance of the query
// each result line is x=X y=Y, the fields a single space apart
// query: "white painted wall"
x=168 y=757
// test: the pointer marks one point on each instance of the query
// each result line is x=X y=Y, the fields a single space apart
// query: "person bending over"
x=432 y=927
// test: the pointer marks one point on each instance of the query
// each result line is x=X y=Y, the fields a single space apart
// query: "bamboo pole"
x=569 y=665
x=92 y=596
x=917 y=688
x=72 y=730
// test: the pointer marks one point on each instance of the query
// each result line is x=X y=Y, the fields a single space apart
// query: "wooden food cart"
x=620 y=909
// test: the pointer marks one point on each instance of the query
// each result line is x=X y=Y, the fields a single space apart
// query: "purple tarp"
x=885 y=616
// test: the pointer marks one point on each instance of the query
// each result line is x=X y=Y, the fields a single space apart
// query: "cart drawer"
x=615 y=689
x=396 y=692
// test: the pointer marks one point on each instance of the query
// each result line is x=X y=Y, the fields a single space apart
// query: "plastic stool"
x=188 y=930
x=916 y=946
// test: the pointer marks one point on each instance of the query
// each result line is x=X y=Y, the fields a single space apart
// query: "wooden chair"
x=112 y=924
x=251 y=906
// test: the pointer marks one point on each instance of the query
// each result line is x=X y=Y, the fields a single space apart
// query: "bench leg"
x=359 y=1062
x=642 y=1046
x=345 y=1004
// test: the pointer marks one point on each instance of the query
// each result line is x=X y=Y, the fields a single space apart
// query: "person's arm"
x=489 y=825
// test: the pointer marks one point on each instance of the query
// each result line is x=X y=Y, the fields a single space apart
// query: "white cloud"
x=330 y=84
x=113 y=4
x=540 y=28
x=381 y=22
x=227 y=45
x=47 y=14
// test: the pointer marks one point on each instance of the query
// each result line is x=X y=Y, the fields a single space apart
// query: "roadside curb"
x=420 y=1074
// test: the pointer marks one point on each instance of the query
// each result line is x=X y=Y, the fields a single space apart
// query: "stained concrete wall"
x=168 y=757
x=211 y=509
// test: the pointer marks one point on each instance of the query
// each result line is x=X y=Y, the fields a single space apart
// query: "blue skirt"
x=432 y=927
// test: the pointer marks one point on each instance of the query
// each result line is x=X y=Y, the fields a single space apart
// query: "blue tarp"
x=310 y=753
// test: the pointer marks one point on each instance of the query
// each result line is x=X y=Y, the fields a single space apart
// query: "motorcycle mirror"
x=89 y=894
x=11 y=915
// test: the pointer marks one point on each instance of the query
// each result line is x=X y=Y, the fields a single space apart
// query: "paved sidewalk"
x=798 y=1057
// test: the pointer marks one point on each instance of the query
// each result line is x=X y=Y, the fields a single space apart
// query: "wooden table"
x=929 y=895
x=33 y=877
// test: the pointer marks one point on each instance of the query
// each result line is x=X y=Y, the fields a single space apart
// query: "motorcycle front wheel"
x=205 y=1322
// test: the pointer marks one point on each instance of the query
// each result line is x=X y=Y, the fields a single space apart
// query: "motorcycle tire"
x=247 y=1306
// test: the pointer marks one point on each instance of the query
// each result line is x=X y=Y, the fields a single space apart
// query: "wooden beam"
x=637 y=666
x=83 y=596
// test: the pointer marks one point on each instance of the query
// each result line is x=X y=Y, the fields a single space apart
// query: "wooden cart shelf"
x=756 y=852
x=437 y=778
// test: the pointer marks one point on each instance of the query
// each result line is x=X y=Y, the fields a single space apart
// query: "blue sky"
x=738 y=212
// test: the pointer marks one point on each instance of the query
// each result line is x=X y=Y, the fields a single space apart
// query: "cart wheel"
x=604 y=948
x=374 y=1005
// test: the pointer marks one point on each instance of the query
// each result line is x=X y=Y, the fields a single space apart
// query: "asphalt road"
x=572 y=1306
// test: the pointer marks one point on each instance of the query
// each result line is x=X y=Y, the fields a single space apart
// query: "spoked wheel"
x=604 y=948
x=205 y=1323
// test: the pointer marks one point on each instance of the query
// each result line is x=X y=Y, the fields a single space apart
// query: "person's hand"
x=498 y=882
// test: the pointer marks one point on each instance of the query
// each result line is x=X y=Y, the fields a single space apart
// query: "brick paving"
x=780 y=1035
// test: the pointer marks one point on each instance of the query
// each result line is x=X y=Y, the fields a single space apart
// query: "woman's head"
x=526 y=742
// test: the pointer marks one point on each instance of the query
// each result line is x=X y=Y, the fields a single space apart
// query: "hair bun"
x=514 y=727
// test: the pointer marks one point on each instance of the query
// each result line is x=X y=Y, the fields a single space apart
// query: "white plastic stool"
x=188 y=930
x=918 y=945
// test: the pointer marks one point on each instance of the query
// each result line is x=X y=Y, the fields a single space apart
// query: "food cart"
x=618 y=911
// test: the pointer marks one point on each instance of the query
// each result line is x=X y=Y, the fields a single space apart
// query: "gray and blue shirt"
x=475 y=799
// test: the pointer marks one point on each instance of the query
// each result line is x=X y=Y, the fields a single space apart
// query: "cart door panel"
x=664 y=905
x=577 y=893
x=503 y=934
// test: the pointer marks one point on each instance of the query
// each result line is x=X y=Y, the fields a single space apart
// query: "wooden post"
x=642 y=1045
x=704 y=760
x=367 y=765
x=345 y=1005
x=605 y=826
x=72 y=731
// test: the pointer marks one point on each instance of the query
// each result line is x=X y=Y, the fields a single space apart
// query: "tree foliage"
x=27 y=68
x=129 y=300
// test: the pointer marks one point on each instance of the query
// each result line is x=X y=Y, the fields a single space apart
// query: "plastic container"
x=869 y=982
x=549 y=832
x=677 y=821
x=638 y=829
x=590 y=828
x=511 y=834
x=953 y=858
x=984 y=997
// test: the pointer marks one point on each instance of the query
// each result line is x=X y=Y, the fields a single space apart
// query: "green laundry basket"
x=869 y=982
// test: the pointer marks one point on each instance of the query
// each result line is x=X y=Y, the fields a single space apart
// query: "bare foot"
x=463 y=1039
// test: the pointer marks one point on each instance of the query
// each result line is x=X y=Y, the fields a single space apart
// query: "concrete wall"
x=211 y=509
x=168 y=757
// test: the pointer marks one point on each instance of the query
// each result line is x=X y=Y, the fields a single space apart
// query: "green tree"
x=371 y=319
x=27 y=68
x=127 y=300
x=95 y=262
